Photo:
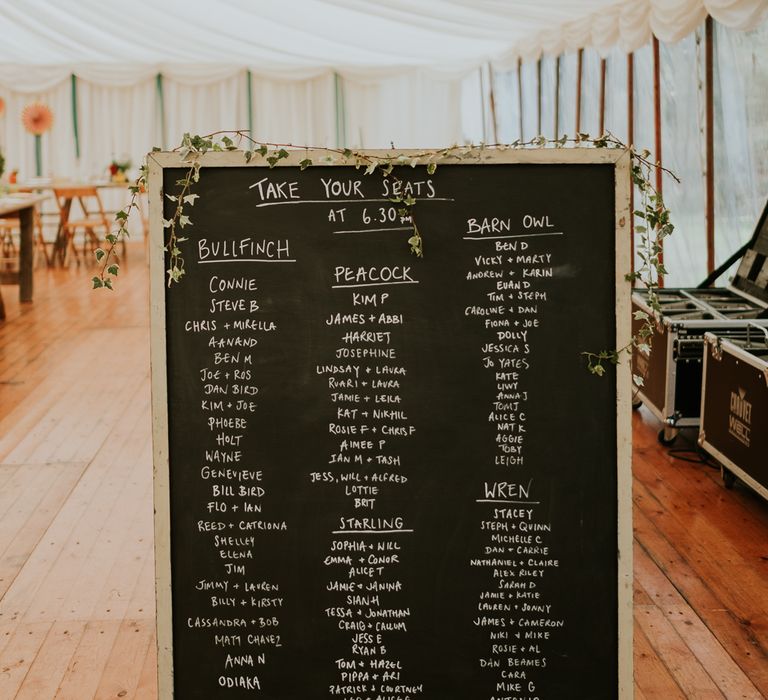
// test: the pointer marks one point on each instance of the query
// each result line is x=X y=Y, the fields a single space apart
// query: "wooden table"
x=60 y=244
x=23 y=205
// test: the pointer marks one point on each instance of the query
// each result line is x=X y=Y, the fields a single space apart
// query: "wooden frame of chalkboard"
x=617 y=160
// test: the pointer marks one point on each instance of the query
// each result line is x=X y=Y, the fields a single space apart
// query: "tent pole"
x=579 y=62
x=710 y=145
x=520 y=93
x=493 y=103
x=538 y=87
x=657 y=131
x=602 y=96
x=630 y=142
x=482 y=104
x=557 y=96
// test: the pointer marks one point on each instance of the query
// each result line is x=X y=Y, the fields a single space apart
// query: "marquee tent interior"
x=686 y=79
x=413 y=74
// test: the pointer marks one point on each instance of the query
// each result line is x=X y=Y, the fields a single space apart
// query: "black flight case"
x=734 y=406
x=672 y=371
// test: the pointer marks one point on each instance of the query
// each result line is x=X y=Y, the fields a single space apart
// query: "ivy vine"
x=655 y=223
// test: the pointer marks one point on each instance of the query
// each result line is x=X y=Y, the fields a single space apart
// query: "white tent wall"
x=741 y=109
x=741 y=137
x=683 y=138
x=507 y=106
x=567 y=94
x=412 y=111
x=590 y=93
x=114 y=122
x=548 y=96
x=530 y=83
x=57 y=145
x=616 y=106
x=479 y=120
x=643 y=120
x=302 y=112
x=473 y=102
x=203 y=109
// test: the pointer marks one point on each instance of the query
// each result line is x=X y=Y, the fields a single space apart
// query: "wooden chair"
x=10 y=228
x=93 y=224
x=9 y=249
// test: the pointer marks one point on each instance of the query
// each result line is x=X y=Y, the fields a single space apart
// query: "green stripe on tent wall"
x=75 y=120
x=161 y=108
x=249 y=93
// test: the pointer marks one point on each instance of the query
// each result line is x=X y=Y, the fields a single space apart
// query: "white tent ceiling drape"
x=629 y=25
x=396 y=66
x=126 y=77
x=364 y=73
x=109 y=42
x=273 y=38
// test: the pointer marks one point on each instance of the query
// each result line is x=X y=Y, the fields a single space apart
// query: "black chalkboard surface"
x=382 y=477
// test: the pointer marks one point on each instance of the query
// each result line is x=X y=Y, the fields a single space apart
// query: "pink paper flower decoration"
x=37 y=118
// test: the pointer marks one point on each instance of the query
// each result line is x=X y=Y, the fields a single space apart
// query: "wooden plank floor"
x=76 y=564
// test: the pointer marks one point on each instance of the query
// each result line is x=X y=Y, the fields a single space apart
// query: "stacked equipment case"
x=672 y=372
x=734 y=406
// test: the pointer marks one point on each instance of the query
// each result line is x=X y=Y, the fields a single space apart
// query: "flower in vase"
x=37 y=118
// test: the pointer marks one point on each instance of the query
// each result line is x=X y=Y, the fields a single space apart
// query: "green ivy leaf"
x=99 y=253
x=304 y=164
x=112 y=269
x=97 y=283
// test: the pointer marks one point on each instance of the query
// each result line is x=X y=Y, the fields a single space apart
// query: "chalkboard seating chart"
x=380 y=477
